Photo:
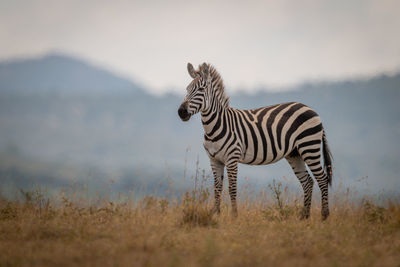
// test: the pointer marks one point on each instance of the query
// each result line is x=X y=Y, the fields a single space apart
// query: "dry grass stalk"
x=162 y=232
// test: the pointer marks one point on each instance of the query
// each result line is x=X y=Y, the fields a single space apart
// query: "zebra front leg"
x=232 y=176
x=218 y=172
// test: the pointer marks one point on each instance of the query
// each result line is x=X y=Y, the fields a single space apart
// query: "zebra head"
x=197 y=92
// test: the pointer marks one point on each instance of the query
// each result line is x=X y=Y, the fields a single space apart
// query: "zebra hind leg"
x=300 y=170
x=313 y=161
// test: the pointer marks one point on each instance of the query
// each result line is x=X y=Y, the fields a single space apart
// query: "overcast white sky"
x=252 y=43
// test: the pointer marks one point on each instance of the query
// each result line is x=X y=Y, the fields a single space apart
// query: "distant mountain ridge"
x=59 y=72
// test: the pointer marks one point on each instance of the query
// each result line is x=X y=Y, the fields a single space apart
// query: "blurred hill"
x=58 y=73
x=64 y=121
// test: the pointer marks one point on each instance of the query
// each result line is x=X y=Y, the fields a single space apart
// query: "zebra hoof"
x=304 y=215
x=234 y=214
x=325 y=214
x=216 y=210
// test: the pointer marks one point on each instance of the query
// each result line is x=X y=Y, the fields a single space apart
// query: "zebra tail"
x=327 y=158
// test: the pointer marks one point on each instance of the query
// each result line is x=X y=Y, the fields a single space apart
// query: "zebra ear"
x=191 y=71
x=204 y=70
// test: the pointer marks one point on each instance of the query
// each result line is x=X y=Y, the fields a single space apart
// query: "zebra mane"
x=218 y=85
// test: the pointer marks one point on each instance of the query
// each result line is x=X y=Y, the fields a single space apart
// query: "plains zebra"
x=257 y=137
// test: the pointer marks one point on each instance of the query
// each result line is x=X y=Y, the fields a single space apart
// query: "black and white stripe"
x=258 y=136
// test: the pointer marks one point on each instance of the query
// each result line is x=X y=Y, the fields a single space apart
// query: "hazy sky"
x=252 y=43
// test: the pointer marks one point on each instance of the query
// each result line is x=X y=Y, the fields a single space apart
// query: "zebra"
x=257 y=137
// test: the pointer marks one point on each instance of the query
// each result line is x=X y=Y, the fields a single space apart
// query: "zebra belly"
x=249 y=159
x=219 y=153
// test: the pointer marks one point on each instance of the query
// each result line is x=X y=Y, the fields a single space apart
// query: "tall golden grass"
x=68 y=231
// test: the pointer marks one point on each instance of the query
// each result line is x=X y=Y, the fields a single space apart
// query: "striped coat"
x=257 y=137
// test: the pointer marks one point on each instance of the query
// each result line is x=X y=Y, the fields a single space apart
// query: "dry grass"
x=160 y=232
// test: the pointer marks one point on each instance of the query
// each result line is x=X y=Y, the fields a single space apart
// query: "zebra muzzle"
x=183 y=112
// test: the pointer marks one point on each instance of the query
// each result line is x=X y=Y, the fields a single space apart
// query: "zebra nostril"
x=182 y=112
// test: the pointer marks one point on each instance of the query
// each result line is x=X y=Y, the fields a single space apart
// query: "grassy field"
x=65 y=231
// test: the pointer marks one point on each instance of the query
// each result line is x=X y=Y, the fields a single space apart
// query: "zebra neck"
x=213 y=120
